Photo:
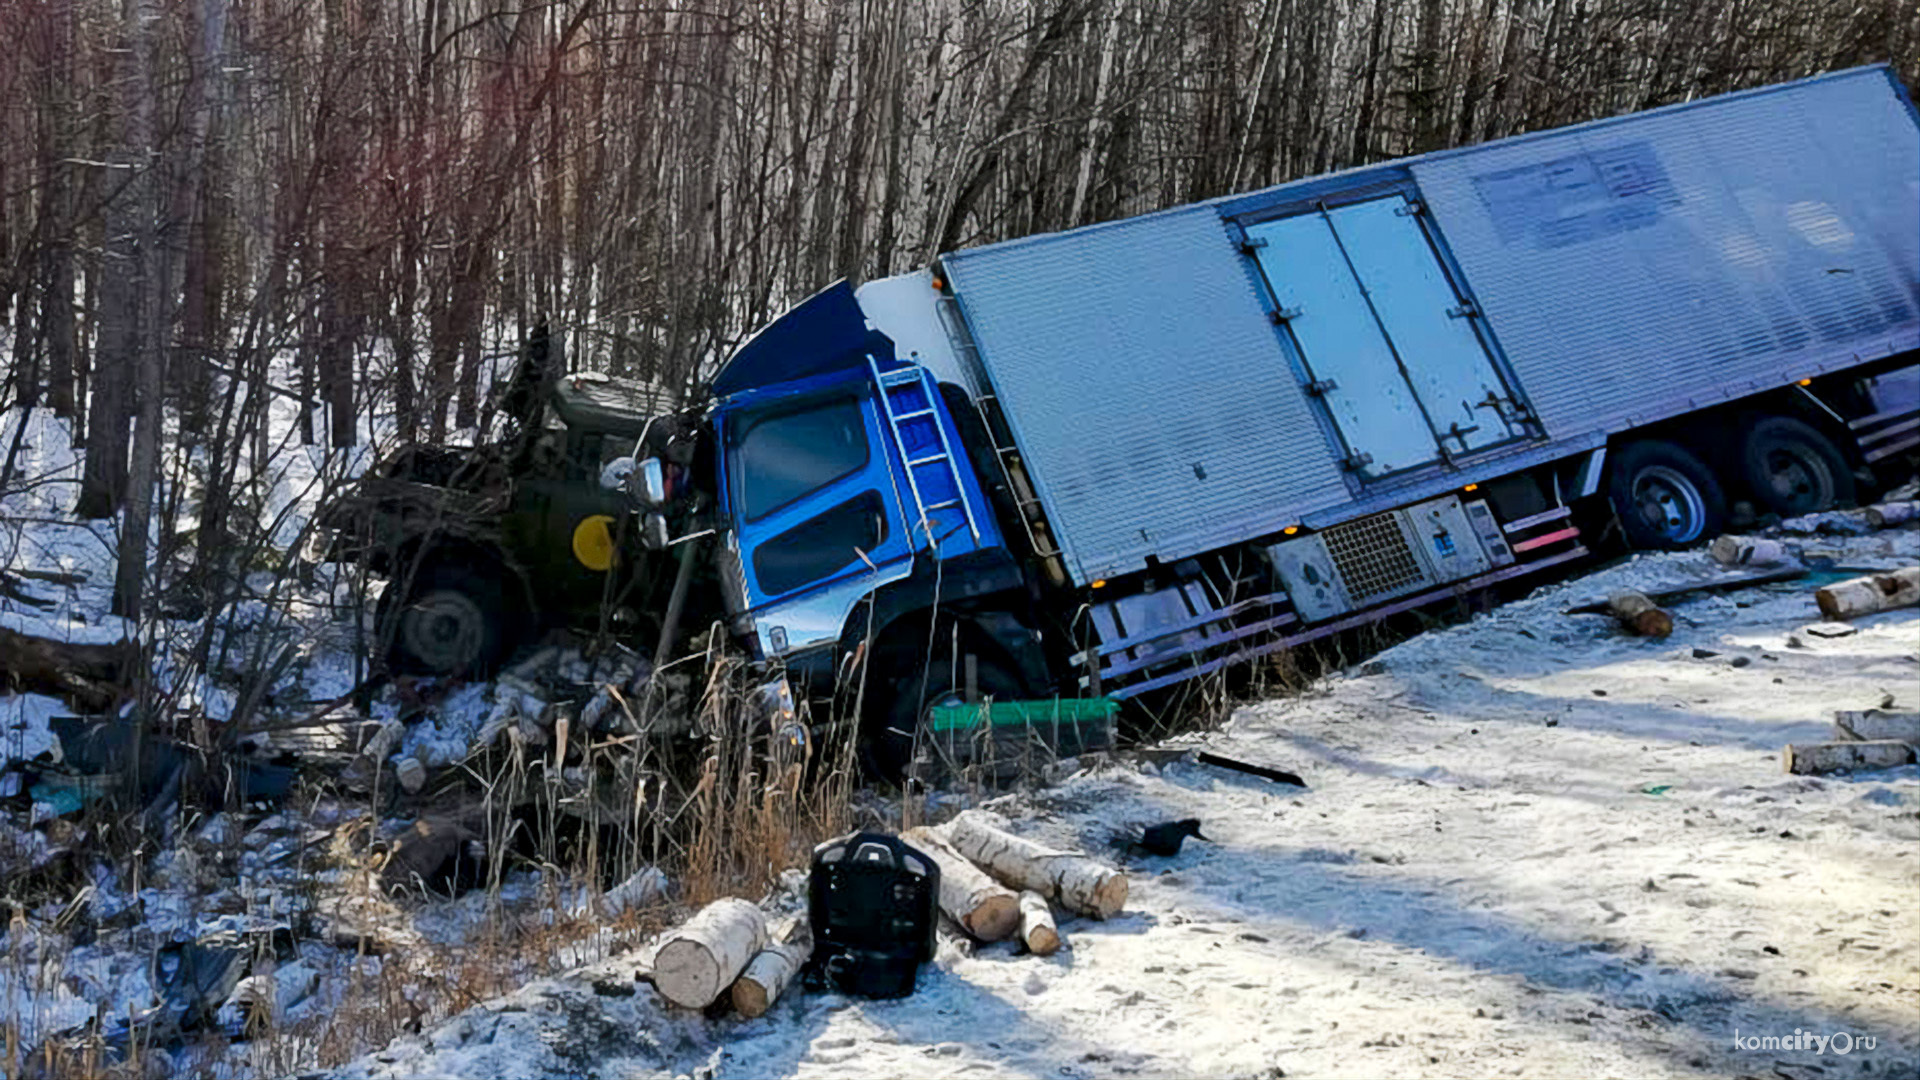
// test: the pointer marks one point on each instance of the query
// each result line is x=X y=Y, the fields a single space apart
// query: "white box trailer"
x=1328 y=349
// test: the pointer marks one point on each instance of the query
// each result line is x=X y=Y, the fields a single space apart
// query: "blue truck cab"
x=842 y=478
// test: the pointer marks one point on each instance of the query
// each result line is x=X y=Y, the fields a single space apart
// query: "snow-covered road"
x=1532 y=845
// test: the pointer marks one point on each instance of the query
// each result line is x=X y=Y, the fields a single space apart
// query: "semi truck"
x=1100 y=462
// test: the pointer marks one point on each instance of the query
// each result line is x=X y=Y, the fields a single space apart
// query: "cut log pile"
x=727 y=948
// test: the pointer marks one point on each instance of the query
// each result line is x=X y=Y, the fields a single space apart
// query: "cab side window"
x=783 y=457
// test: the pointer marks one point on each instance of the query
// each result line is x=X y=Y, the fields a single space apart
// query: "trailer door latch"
x=1321 y=387
x=1466 y=310
x=1285 y=315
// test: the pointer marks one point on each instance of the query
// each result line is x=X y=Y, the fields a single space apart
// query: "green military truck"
x=485 y=548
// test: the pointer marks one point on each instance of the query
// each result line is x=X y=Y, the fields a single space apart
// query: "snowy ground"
x=1531 y=846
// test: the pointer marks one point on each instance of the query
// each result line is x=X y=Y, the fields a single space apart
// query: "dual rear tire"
x=1666 y=497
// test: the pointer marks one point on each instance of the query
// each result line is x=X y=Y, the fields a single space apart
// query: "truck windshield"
x=784 y=456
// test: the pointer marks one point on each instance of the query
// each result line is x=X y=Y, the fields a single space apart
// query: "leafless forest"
x=190 y=188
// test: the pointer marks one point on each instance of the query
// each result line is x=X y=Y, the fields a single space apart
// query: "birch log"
x=982 y=906
x=1866 y=595
x=1749 y=551
x=772 y=970
x=1809 y=759
x=1869 y=725
x=1639 y=614
x=696 y=962
x=1085 y=885
x=1036 y=924
x=1893 y=513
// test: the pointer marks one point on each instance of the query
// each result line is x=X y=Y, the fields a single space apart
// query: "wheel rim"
x=1670 y=503
x=444 y=629
x=1798 y=480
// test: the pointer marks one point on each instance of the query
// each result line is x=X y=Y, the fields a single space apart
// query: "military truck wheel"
x=887 y=743
x=1793 y=469
x=456 y=620
x=1665 y=497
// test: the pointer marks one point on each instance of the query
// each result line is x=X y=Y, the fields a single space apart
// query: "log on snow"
x=1866 y=595
x=1085 y=885
x=1749 y=551
x=1873 y=725
x=1892 y=513
x=1036 y=925
x=772 y=969
x=1639 y=614
x=1813 y=759
x=91 y=677
x=698 y=961
x=982 y=906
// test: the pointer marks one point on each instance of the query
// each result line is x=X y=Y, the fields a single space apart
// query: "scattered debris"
x=442 y=853
x=1278 y=776
x=873 y=901
x=644 y=889
x=92 y=677
x=1165 y=838
x=411 y=774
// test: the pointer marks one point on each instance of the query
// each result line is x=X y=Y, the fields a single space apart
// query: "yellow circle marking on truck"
x=593 y=542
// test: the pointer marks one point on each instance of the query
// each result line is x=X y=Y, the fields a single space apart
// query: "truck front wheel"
x=893 y=732
x=453 y=621
x=1665 y=497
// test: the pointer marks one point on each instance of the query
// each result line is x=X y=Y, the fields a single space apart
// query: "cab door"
x=817 y=522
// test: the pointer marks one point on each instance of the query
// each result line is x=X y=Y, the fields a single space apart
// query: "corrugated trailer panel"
x=1636 y=268
x=1145 y=388
x=1628 y=269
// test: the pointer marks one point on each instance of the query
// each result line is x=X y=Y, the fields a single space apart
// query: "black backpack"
x=873 y=903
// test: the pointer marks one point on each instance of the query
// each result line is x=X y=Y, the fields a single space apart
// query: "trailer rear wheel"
x=1665 y=497
x=1793 y=469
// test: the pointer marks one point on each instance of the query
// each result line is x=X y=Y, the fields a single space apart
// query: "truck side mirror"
x=653 y=530
x=649 y=482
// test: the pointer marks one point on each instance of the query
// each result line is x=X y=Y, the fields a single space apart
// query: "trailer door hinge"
x=1285 y=315
x=1412 y=207
x=1466 y=310
x=1321 y=387
x=1252 y=244
x=1356 y=461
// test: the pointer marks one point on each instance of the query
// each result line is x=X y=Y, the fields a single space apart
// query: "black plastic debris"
x=873 y=904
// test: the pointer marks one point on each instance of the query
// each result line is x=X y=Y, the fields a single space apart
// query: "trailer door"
x=1389 y=344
